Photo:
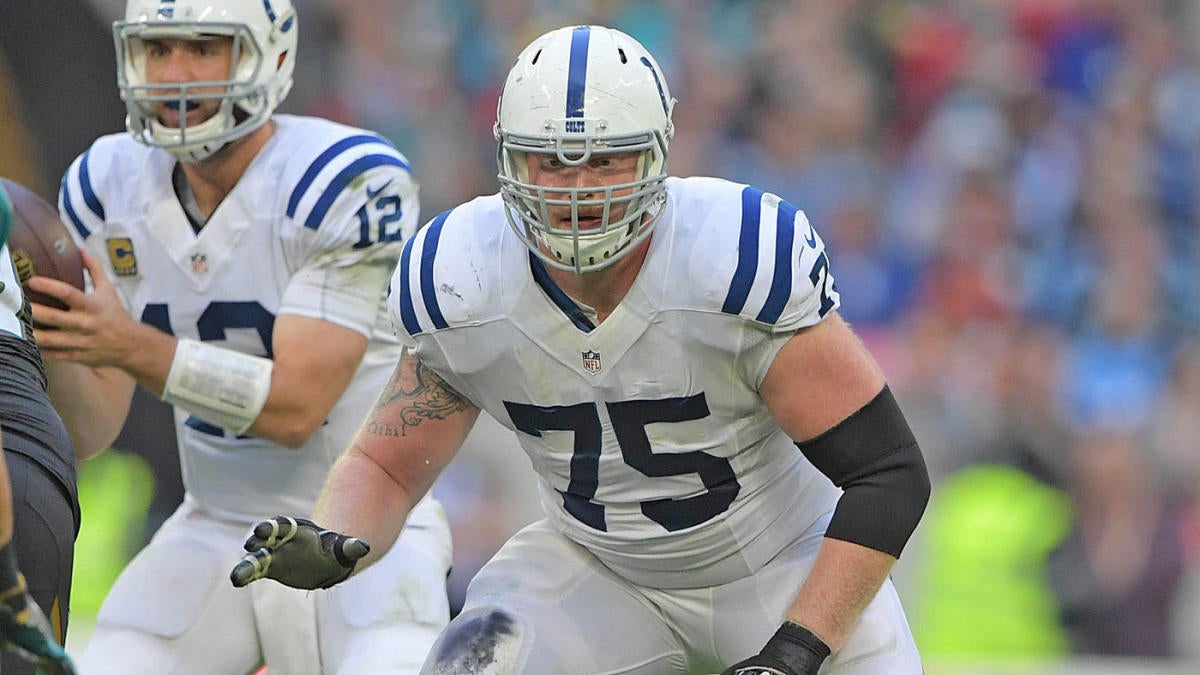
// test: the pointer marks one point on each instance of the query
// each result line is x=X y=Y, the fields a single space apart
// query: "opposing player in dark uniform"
x=39 y=523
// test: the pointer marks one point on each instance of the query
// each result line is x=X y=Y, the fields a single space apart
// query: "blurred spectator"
x=1175 y=429
x=1024 y=425
x=1120 y=568
x=1118 y=362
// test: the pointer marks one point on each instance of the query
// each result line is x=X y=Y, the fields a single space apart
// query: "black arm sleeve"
x=874 y=457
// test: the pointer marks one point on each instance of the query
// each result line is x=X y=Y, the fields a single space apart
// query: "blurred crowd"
x=1008 y=191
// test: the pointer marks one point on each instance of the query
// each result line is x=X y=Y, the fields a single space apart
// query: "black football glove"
x=23 y=626
x=793 y=650
x=299 y=553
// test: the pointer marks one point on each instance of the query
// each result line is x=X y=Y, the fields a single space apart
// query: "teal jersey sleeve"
x=6 y=216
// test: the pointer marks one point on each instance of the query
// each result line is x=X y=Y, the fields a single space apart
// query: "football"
x=40 y=243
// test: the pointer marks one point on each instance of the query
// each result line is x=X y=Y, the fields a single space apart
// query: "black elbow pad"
x=874 y=457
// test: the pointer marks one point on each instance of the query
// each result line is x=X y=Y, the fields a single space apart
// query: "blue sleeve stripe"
x=747 y=266
x=323 y=161
x=85 y=182
x=64 y=196
x=340 y=181
x=408 y=315
x=781 y=282
x=428 y=253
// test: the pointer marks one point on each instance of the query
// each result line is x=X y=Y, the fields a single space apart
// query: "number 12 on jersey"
x=389 y=210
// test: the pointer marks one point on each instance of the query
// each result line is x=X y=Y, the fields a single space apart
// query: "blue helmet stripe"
x=270 y=10
x=322 y=161
x=408 y=315
x=89 y=194
x=747 y=266
x=428 y=253
x=781 y=282
x=577 y=71
x=662 y=95
x=340 y=181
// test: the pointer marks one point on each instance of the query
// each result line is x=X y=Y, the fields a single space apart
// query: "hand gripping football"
x=40 y=243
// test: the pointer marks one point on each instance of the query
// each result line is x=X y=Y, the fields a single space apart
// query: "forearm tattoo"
x=420 y=394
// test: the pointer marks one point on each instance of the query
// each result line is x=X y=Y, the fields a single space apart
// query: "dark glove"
x=299 y=553
x=793 y=650
x=23 y=626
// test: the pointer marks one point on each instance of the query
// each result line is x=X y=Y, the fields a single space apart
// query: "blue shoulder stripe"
x=89 y=196
x=64 y=197
x=71 y=215
x=428 y=253
x=408 y=315
x=747 y=266
x=340 y=181
x=85 y=182
x=408 y=312
x=323 y=160
x=781 y=281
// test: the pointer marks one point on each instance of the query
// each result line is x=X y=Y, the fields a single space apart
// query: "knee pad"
x=481 y=641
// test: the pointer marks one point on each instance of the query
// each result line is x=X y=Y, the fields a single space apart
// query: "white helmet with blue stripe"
x=264 y=36
x=574 y=93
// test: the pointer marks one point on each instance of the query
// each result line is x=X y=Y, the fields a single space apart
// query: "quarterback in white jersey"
x=669 y=353
x=240 y=271
x=293 y=237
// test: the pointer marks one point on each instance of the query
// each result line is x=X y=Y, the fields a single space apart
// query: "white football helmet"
x=574 y=93
x=264 y=34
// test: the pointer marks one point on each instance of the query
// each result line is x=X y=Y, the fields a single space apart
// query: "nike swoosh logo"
x=811 y=237
x=371 y=194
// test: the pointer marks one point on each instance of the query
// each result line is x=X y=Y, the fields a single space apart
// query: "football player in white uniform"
x=240 y=260
x=670 y=354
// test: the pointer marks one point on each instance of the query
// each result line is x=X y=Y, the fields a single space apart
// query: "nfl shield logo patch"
x=591 y=361
x=199 y=263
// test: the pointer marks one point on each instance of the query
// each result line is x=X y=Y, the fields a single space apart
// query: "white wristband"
x=220 y=386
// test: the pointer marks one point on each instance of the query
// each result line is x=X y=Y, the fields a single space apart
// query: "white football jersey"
x=313 y=228
x=652 y=446
x=12 y=299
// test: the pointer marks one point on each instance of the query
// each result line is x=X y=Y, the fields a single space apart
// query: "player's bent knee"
x=480 y=641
